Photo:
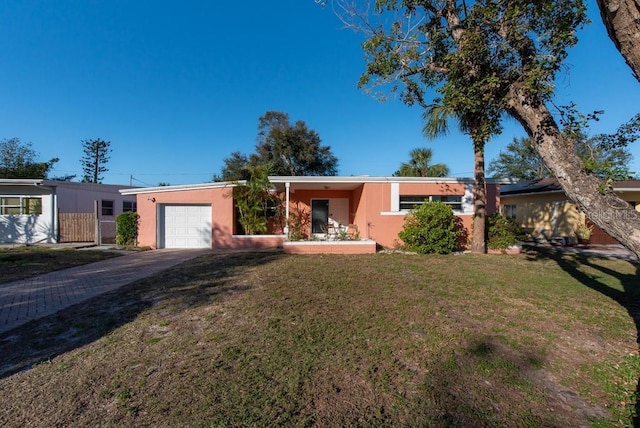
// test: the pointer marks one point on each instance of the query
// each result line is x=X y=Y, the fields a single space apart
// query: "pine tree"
x=96 y=155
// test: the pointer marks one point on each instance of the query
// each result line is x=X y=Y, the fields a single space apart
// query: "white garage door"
x=185 y=226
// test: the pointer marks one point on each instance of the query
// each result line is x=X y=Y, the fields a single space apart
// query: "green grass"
x=265 y=339
x=27 y=261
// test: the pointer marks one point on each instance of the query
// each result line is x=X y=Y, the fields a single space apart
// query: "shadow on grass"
x=628 y=297
x=194 y=283
x=465 y=396
x=26 y=262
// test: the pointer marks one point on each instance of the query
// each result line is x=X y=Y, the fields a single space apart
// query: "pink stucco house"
x=370 y=211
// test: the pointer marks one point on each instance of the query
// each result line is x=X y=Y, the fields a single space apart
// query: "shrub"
x=431 y=228
x=583 y=232
x=503 y=232
x=127 y=229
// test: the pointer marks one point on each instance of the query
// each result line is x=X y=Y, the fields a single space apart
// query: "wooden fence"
x=77 y=227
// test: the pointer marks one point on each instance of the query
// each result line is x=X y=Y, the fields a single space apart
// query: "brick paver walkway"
x=42 y=295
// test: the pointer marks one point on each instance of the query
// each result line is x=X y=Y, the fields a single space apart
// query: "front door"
x=319 y=215
x=325 y=212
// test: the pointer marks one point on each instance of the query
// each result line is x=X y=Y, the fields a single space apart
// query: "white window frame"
x=22 y=206
x=509 y=211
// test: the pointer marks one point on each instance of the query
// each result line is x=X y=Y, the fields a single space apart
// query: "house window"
x=107 y=207
x=129 y=206
x=10 y=205
x=272 y=208
x=410 y=202
x=19 y=205
x=455 y=202
x=509 y=211
x=32 y=206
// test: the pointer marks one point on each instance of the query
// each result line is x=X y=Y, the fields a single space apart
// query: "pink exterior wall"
x=430 y=188
x=221 y=213
x=371 y=209
x=254 y=242
x=371 y=206
x=330 y=247
x=375 y=217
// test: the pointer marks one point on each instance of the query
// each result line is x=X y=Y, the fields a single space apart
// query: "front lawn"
x=27 y=261
x=266 y=339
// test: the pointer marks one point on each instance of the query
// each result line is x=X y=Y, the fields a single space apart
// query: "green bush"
x=127 y=229
x=503 y=232
x=431 y=228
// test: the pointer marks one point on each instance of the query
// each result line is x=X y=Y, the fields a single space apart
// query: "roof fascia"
x=21 y=182
x=546 y=192
x=626 y=189
x=180 y=187
x=376 y=179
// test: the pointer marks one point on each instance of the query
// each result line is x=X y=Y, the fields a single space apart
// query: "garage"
x=184 y=226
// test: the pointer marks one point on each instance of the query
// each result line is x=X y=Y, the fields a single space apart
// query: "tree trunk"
x=478 y=243
x=604 y=208
x=96 y=161
x=622 y=20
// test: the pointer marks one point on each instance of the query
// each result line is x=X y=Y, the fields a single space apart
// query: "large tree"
x=236 y=167
x=622 y=21
x=96 y=156
x=520 y=160
x=490 y=57
x=419 y=165
x=292 y=149
x=288 y=149
x=18 y=160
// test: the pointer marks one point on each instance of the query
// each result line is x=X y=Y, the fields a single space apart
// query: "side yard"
x=255 y=339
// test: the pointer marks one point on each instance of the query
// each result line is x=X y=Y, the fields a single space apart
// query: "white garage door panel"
x=185 y=226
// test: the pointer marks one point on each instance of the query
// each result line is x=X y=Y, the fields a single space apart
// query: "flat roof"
x=551 y=185
x=314 y=183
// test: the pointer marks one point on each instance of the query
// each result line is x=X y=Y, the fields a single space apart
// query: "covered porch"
x=322 y=215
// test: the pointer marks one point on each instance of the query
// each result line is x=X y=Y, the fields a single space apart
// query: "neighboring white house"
x=30 y=209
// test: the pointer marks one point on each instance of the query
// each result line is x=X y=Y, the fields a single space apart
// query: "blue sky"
x=177 y=86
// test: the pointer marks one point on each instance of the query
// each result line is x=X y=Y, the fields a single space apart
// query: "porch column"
x=287 y=186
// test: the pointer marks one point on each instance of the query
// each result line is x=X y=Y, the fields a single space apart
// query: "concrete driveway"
x=28 y=299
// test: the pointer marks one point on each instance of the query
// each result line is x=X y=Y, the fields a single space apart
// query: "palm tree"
x=419 y=165
x=436 y=122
